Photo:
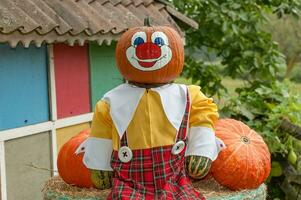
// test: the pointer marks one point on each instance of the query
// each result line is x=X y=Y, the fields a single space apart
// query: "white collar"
x=124 y=99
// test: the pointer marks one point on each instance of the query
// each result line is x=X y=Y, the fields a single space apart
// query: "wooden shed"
x=56 y=61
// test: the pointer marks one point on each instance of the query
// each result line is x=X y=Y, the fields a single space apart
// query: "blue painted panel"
x=23 y=86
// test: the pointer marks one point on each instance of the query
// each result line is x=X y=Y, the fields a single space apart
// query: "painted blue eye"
x=138 y=40
x=159 y=41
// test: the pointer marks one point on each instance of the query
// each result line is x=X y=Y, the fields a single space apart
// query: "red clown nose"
x=148 y=51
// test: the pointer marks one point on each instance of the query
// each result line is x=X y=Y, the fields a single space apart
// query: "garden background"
x=247 y=55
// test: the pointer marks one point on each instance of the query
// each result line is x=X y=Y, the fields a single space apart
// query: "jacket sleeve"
x=98 y=147
x=201 y=136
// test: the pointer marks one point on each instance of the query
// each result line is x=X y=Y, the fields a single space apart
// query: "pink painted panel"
x=72 y=80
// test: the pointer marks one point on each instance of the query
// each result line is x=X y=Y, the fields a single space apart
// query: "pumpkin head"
x=150 y=55
x=245 y=163
x=70 y=165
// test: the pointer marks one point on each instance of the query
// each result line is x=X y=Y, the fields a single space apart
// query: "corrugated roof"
x=78 y=21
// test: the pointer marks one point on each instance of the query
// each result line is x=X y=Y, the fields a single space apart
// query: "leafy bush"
x=296 y=73
x=263 y=107
x=286 y=32
x=233 y=32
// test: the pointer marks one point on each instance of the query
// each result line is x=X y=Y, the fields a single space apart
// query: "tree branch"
x=290 y=128
x=40 y=168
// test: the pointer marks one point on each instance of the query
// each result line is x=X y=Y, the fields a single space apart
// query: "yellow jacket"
x=149 y=126
x=150 y=123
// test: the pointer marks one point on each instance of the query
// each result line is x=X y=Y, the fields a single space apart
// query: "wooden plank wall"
x=71 y=80
x=104 y=73
x=23 y=180
x=23 y=86
x=78 y=77
x=64 y=134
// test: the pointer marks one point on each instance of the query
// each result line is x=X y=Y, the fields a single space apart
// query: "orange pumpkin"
x=150 y=55
x=245 y=163
x=70 y=166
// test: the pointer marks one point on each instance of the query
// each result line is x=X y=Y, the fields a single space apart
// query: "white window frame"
x=49 y=126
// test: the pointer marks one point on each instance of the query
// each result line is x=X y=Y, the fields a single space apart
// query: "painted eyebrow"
x=141 y=34
x=160 y=34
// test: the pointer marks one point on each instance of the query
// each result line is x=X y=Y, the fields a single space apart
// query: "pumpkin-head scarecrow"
x=151 y=133
x=150 y=55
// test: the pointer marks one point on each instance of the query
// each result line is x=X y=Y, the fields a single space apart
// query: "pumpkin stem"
x=147 y=21
x=245 y=139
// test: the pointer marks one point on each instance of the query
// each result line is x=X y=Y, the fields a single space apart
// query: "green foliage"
x=210 y=79
x=233 y=32
x=262 y=107
x=286 y=32
x=295 y=74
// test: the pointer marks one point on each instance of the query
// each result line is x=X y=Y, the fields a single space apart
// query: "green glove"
x=197 y=167
x=101 y=179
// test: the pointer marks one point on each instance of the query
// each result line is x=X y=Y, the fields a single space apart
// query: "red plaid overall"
x=153 y=173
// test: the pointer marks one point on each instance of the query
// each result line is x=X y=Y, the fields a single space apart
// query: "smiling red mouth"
x=147 y=64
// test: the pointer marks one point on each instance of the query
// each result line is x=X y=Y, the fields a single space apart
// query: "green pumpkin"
x=101 y=179
x=197 y=167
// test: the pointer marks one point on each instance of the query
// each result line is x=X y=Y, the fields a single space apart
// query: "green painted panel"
x=104 y=72
x=23 y=180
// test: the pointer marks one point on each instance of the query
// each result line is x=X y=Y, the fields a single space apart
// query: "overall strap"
x=124 y=141
x=184 y=125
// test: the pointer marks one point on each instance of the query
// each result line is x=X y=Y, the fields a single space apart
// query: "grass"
x=183 y=81
x=232 y=84
x=297 y=88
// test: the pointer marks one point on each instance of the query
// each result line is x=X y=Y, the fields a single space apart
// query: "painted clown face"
x=150 y=54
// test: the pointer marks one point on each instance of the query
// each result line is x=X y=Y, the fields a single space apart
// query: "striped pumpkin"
x=245 y=163
x=101 y=179
x=197 y=167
